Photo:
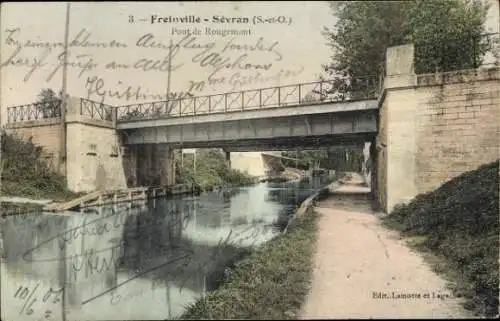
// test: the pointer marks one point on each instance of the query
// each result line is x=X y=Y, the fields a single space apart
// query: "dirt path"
x=358 y=261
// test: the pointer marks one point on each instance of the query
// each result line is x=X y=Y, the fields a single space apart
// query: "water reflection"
x=136 y=262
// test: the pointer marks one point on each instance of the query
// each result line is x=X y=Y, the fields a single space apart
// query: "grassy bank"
x=212 y=170
x=458 y=223
x=26 y=173
x=271 y=283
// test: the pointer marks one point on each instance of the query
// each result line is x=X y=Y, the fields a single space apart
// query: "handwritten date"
x=30 y=296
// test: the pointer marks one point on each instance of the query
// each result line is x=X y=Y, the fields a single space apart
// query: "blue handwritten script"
x=248 y=61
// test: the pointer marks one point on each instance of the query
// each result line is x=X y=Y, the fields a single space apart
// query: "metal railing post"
x=114 y=115
x=299 y=92
x=260 y=98
x=242 y=100
x=225 y=102
x=194 y=105
x=279 y=96
x=209 y=103
x=167 y=110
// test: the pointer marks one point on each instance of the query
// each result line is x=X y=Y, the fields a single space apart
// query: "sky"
x=287 y=51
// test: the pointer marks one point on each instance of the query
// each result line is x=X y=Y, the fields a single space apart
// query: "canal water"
x=144 y=261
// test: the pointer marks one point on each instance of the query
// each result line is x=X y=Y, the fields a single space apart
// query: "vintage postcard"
x=249 y=160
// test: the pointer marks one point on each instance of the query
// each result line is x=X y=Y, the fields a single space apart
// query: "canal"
x=142 y=261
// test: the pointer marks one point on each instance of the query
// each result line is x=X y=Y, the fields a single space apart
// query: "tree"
x=48 y=94
x=49 y=103
x=446 y=35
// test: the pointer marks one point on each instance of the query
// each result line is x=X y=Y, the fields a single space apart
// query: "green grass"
x=28 y=189
x=271 y=283
x=458 y=225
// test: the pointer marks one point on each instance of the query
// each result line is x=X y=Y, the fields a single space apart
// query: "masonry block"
x=444 y=126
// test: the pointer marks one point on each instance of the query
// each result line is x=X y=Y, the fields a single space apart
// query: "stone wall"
x=93 y=154
x=94 y=158
x=44 y=133
x=458 y=125
x=433 y=127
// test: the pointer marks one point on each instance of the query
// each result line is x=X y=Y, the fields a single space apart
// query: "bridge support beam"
x=145 y=164
x=373 y=172
x=397 y=136
x=166 y=164
x=228 y=158
x=131 y=164
x=170 y=167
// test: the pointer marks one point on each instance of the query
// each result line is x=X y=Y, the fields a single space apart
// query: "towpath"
x=363 y=270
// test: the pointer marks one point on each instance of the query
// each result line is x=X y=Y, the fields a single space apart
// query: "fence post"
x=167 y=109
x=242 y=100
x=225 y=102
x=300 y=85
x=194 y=105
x=114 y=115
x=279 y=96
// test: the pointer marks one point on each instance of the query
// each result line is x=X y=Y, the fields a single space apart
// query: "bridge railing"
x=333 y=90
x=36 y=111
x=96 y=110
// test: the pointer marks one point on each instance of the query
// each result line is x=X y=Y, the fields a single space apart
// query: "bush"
x=460 y=222
x=26 y=173
x=212 y=171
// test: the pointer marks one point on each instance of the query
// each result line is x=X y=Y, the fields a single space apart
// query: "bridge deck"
x=335 y=90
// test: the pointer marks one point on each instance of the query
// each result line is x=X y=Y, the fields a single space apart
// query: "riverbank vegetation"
x=347 y=159
x=209 y=169
x=25 y=172
x=271 y=283
x=459 y=224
